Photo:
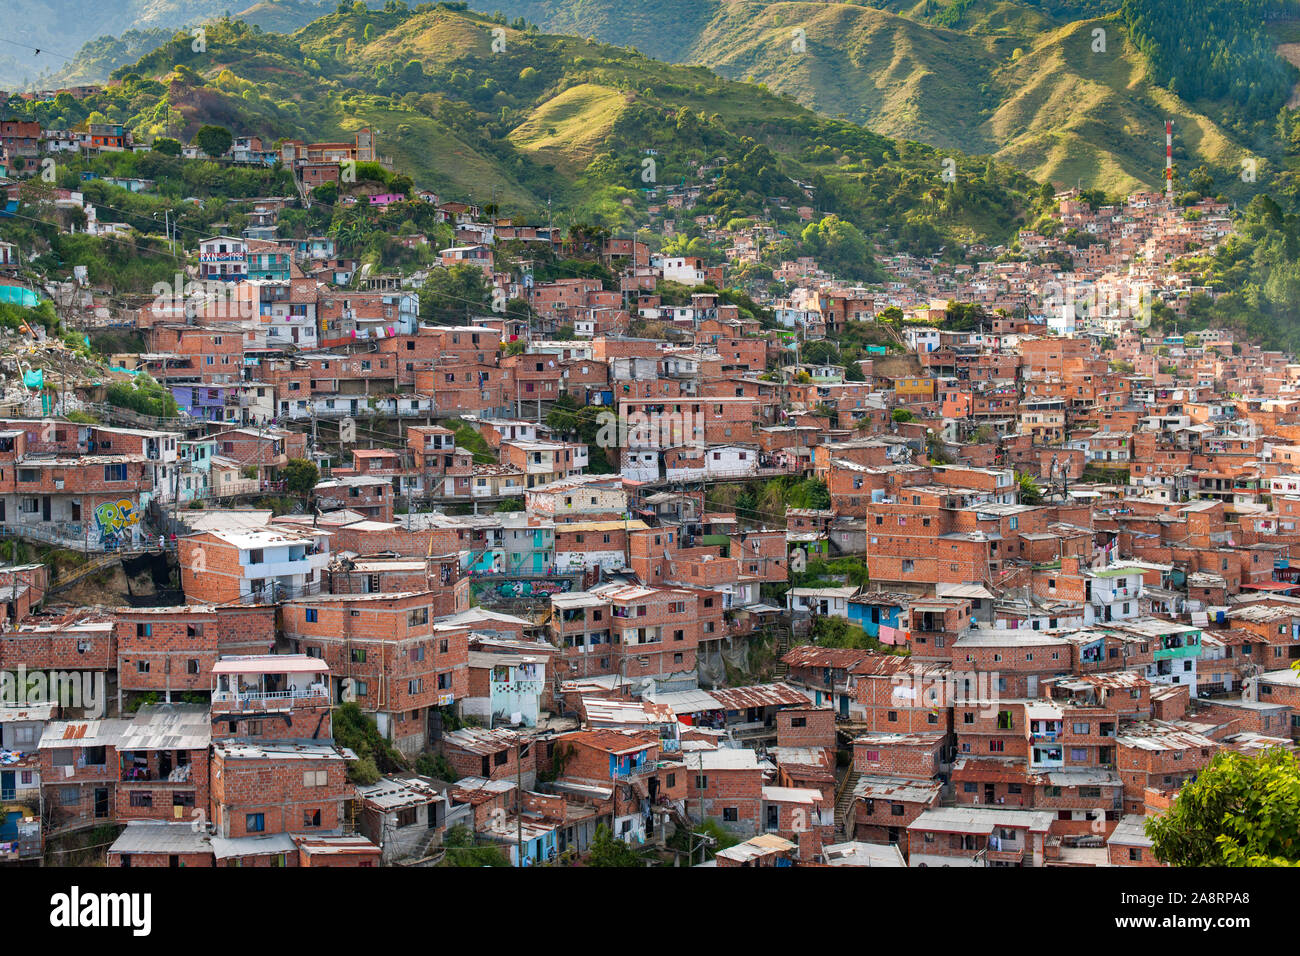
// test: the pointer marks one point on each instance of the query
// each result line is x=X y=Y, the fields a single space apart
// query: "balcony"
x=21 y=793
x=142 y=773
x=270 y=700
x=634 y=770
x=1009 y=853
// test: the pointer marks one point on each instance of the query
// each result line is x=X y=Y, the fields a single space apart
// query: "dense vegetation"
x=548 y=117
x=1215 y=49
x=1239 y=811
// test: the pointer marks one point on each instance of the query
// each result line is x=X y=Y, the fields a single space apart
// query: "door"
x=101 y=801
x=989 y=793
x=773 y=818
x=45 y=508
x=7 y=780
x=844 y=705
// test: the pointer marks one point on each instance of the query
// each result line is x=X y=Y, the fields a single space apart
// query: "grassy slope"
x=470 y=122
x=568 y=130
x=1070 y=114
x=1054 y=108
x=874 y=67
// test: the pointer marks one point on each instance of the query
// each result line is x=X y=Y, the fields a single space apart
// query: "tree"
x=462 y=850
x=213 y=140
x=451 y=295
x=1240 y=811
x=1030 y=493
x=840 y=247
x=300 y=476
x=829 y=631
x=167 y=146
x=605 y=850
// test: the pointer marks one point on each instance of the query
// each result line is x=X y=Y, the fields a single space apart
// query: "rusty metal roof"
x=810 y=655
x=758 y=695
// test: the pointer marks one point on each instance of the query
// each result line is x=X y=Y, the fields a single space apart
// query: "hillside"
x=1016 y=78
x=83 y=42
x=551 y=117
x=1019 y=79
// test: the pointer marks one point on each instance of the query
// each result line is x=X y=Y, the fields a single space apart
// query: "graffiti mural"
x=114 y=519
x=523 y=589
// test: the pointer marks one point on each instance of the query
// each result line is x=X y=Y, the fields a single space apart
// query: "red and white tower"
x=1169 y=160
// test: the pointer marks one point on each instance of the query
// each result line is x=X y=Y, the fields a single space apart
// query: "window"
x=996 y=746
x=701 y=781
x=897 y=809
x=142 y=798
x=358 y=655
x=418 y=616
x=311 y=615
x=893 y=716
x=311 y=818
x=315 y=778
x=115 y=472
x=1080 y=728
x=254 y=822
x=730 y=814
x=798 y=721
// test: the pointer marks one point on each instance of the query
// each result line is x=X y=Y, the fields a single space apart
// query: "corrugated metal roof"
x=758 y=695
x=169 y=838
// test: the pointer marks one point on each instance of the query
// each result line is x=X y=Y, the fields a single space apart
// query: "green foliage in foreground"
x=1240 y=811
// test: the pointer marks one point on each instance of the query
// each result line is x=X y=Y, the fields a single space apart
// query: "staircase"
x=93 y=566
x=844 y=803
x=781 y=668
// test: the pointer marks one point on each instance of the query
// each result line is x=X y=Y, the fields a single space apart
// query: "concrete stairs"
x=844 y=802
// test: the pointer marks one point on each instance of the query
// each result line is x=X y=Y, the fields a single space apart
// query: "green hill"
x=555 y=126
x=1016 y=78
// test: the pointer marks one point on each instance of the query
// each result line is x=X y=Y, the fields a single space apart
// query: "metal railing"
x=244 y=697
